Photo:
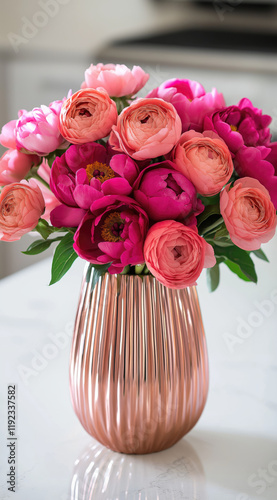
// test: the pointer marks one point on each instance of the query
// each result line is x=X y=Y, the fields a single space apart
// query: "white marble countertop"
x=231 y=454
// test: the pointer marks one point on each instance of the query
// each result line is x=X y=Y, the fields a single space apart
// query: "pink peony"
x=7 y=136
x=21 y=206
x=146 y=129
x=175 y=254
x=240 y=125
x=248 y=213
x=116 y=79
x=205 y=160
x=165 y=193
x=114 y=231
x=190 y=100
x=14 y=166
x=88 y=115
x=37 y=131
x=85 y=173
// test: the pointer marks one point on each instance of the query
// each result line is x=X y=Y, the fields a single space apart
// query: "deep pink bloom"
x=190 y=100
x=165 y=193
x=85 y=173
x=241 y=125
x=116 y=79
x=37 y=131
x=113 y=231
x=259 y=163
x=14 y=166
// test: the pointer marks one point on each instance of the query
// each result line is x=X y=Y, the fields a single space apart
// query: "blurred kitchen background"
x=46 y=45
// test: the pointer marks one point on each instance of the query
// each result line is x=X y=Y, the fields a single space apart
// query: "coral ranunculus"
x=205 y=160
x=113 y=231
x=175 y=254
x=165 y=193
x=248 y=213
x=21 y=206
x=14 y=166
x=116 y=79
x=190 y=100
x=88 y=115
x=148 y=128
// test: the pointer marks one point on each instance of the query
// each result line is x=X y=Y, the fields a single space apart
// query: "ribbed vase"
x=139 y=365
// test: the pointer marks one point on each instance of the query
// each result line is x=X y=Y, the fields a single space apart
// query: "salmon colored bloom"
x=148 y=128
x=88 y=115
x=248 y=213
x=21 y=206
x=205 y=160
x=175 y=254
x=14 y=166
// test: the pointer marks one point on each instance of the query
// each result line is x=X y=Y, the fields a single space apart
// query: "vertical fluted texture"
x=139 y=367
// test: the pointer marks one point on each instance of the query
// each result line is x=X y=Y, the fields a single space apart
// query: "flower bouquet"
x=149 y=191
x=167 y=184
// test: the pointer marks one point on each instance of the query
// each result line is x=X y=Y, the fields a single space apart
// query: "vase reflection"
x=102 y=474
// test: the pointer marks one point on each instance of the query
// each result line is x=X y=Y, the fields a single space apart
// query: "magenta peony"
x=113 y=231
x=165 y=193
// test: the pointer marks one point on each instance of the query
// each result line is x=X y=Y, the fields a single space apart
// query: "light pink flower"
x=7 y=136
x=146 y=129
x=205 y=160
x=248 y=213
x=116 y=79
x=37 y=131
x=21 y=206
x=175 y=254
x=14 y=166
x=190 y=100
x=88 y=115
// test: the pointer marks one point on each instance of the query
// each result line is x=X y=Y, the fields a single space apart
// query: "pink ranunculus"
x=56 y=106
x=175 y=254
x=85 y=173
x=114 y=231
x=165 y=193
x=190 y=100
x=116 y=79
x=261 y=164
x=7 y=136
x=146 y=129
x=21 y=206
x=88 y=115
x=50 y=199
x=241 y=125
x=205 y=160
x=37 y=131
x=14 y=166
x=248 y=213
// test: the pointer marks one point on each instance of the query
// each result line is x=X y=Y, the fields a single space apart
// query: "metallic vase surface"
x=139 y=365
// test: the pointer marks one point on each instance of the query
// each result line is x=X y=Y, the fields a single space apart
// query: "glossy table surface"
x=231 y=454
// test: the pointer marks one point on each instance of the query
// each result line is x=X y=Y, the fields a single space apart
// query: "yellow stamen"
x=234 y=128
x=111 y=227
x=97 y=170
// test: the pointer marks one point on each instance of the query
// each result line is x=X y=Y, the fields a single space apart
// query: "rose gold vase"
x=139 y=366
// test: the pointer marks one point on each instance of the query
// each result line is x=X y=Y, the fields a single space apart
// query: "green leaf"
x=40 y=246
x=210 y=225
x=98 y=271
x=236 y=270
x=63 y=259
x=260 y=254
x=213 y=277
x=43 y=228
x=209 y=200
x=209 y=210
x=239 y=257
